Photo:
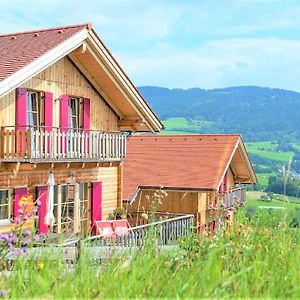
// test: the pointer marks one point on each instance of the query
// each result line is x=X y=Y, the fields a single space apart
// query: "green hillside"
x=259 y=114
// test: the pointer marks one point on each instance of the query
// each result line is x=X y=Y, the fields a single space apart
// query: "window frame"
x=81 y=218
x=75 y=111
x=29 y=108
x=6 y=221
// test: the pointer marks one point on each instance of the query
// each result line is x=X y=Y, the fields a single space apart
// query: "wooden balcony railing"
x=234 y=198
x=40 y=144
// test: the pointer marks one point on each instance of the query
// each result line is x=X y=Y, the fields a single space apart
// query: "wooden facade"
x=205 y=205
x=63 y=78
x=64 y=121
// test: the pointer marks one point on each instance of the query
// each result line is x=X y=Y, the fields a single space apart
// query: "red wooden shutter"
x=96 y=202
x=48 y=114
x=86 y=114
x=221 y=189
x=21 y=104
x=21 y=117
x=19 y=193
x=86 y=122
x=42 y=195
x=226 y=184
x=64 y=112
x=64 y=119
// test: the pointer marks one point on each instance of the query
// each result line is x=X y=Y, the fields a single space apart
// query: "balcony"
x=234 y=198
x=39 y=144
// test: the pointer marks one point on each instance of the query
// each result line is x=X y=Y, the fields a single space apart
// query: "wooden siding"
x=63 y=78
x=107 y=175
x=175 y=202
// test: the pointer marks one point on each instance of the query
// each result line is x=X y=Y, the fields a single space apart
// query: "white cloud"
x=265 y=62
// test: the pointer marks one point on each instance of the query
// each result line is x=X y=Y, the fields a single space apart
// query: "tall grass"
x=244 y=260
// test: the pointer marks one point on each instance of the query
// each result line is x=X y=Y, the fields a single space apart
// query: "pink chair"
x=121 y=227
x=105 y=228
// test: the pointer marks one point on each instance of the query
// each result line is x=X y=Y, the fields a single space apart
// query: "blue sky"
x=182 y=44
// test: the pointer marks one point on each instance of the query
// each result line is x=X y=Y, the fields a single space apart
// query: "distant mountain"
x=258 y=113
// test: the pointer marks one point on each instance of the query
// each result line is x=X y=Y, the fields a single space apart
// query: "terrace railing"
x=234 y=198
x=166 y=232
x=52 y=144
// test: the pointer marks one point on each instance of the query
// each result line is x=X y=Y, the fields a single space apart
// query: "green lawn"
x=253 y=199
x=263 y=178
x=256 y=203
x=182 y=126
x=267 y=150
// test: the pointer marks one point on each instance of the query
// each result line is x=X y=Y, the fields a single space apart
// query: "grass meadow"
x=254 y=258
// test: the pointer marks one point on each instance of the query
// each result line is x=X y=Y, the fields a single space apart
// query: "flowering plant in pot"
x=119 y=213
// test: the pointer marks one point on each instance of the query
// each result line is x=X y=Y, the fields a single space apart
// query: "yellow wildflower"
x=40 y=265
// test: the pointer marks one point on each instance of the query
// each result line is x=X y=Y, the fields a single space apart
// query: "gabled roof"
x=19 y=49
x=25 y=54
x=187 y=162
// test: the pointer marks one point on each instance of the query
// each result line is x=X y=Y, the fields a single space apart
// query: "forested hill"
x=258 y=113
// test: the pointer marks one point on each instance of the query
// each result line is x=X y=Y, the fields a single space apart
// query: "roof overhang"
x=240 y=165
x=95 y=61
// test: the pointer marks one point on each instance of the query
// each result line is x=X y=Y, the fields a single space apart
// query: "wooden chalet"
x=65 y=107
x=201 y=175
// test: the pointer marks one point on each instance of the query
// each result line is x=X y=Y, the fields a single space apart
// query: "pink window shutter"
x=21 y=101
x=48 y=111
x=64 y=119
x=42 y=195
x=86 y=114
x=64 y=112
x=226 y=179
x=96 y=203
x=21 y=117
x=19 y=193
x=221 y=189
x=86 y=122
x=48 y=116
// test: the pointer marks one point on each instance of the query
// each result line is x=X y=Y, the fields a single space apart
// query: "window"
x=83 y=195
x=33 y=108
x=66 y=206
x=4 y=207
x=74 y=113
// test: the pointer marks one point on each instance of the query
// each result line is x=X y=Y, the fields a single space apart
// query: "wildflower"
x=24 y=249
x=35 y=209
x=20 y=211
x=40 y=265
x=39 y=203
x=3 y=293
x=36 y=238
x=15 y=251
x=23 y=201
x=27 y=232
x=3 y=236
x=145 y=216
x=17 y=220
x=26 y=217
